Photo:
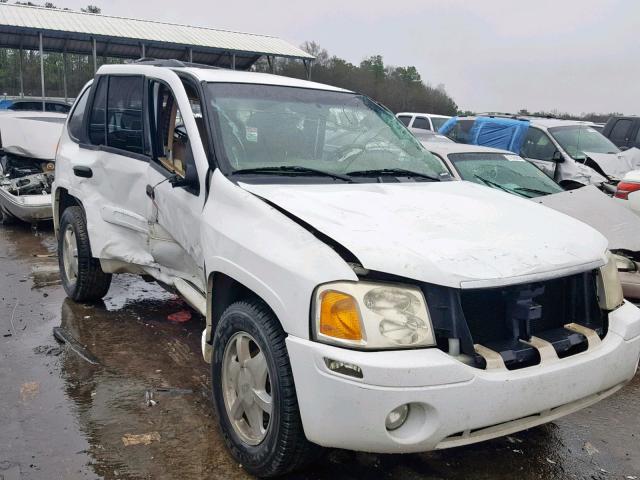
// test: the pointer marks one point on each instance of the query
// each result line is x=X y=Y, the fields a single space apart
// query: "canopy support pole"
x=270 y=62
x=95 y=57
x=42 y=70
x=64 y=75
x=21 y=73
x=307 y=66
x=233 y=61
x=190 y=55
x=144 y=50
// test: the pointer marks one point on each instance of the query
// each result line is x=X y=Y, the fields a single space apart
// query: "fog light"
x=397 y=417
x=343 y=368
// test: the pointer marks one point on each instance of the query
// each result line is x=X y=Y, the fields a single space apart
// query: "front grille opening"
x=500 y=318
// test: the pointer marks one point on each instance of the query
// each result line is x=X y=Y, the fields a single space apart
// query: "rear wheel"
x=254 y=394
x=81 y=274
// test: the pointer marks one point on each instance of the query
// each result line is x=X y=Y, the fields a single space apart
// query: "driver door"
x=539 y=149
x=175 y=208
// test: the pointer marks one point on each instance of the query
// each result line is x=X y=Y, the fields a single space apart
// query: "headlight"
x=372 y=315
x=610 y=294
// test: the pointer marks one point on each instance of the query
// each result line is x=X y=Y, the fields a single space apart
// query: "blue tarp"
x=504 y=133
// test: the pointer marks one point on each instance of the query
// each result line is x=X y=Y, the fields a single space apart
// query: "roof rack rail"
x=171 y=62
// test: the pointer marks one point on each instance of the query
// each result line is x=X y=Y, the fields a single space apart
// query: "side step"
x=192 y=295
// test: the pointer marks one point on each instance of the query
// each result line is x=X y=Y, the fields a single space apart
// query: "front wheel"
x=254 y=394
x=81 y=274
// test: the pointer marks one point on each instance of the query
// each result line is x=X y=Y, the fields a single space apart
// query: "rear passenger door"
x=110 y=169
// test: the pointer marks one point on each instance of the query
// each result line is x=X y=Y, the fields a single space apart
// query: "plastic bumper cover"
x=451 y=403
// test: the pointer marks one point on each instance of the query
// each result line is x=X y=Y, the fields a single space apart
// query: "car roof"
x=535 y=121
x=423 y=114
x=444 y=149
x=30 y=114
x=222 y=75
x=38 y=100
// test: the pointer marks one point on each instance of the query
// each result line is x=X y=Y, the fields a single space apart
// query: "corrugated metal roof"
x=71 y=22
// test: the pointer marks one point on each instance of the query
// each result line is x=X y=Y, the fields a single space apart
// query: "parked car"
x=623 y=131
x=354 y=297
x=628 y=191
x=508 y=172
x=421 y=122
x=428 y=136
x=28 y=143
x=35 y=105
x=571 y=152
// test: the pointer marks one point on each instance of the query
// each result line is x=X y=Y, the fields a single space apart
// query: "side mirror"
x=190 y=179
x=557 y=157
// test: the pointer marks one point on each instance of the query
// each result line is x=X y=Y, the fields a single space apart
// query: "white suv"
x=354 y=298
x=422 y=122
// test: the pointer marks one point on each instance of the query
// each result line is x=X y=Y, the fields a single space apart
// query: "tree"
x=91 y=9
x=312 y=48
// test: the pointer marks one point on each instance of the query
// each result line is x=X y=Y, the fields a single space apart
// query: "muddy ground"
x=86 y=412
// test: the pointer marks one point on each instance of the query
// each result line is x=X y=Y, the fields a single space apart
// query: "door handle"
x=84 y=172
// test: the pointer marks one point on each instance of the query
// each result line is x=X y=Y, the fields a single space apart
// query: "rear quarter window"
x=75 y=120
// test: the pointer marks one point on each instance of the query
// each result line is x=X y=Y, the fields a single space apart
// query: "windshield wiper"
x=398 y=172
x=532 y=190
x=293 y=169
x=495 y=185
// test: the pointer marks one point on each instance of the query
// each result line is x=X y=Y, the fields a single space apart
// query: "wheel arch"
x=222 y=291
x=62 y=200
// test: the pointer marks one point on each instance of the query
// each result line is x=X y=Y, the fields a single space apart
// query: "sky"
x=573 y=56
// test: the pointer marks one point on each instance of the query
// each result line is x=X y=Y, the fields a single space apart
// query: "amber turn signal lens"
x=339 y=316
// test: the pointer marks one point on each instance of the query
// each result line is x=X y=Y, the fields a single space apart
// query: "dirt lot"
x=85 y=409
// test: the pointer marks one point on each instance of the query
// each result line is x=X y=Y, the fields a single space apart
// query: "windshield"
x=505 y=172
x=438 y=122
x=268 y=127
x=577 y=139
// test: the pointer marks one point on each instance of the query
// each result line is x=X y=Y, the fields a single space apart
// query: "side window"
x=124 y=114
x=460 y=131
x=405 y=119
x=620 y=131
x=538 y=145
x=75 y=120
x=97 y=126
x=637 y=142
x=170 y=139
x=422 y=123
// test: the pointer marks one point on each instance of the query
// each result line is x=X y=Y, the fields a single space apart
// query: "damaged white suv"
x=354 y=297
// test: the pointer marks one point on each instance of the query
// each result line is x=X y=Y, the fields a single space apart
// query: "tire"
x=284 y=447
x=86 y=282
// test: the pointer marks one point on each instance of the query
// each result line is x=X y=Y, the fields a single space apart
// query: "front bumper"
x=28 y=208
x=451 y=403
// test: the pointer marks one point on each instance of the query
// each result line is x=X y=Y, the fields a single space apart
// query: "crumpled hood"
x=616 y=165
x=617 y=223
x=31 y=134
x=456 y=234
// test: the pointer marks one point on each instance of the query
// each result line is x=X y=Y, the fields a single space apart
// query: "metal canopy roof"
x=75 y=32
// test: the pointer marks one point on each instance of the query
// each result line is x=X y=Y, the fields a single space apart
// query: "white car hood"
x=456 y=234
x=616 y=222
x=31 y=134
x=616 y=165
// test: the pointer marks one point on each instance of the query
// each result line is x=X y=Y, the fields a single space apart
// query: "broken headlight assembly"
x=372 y=316
x=624 y=264
x=610 y=294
